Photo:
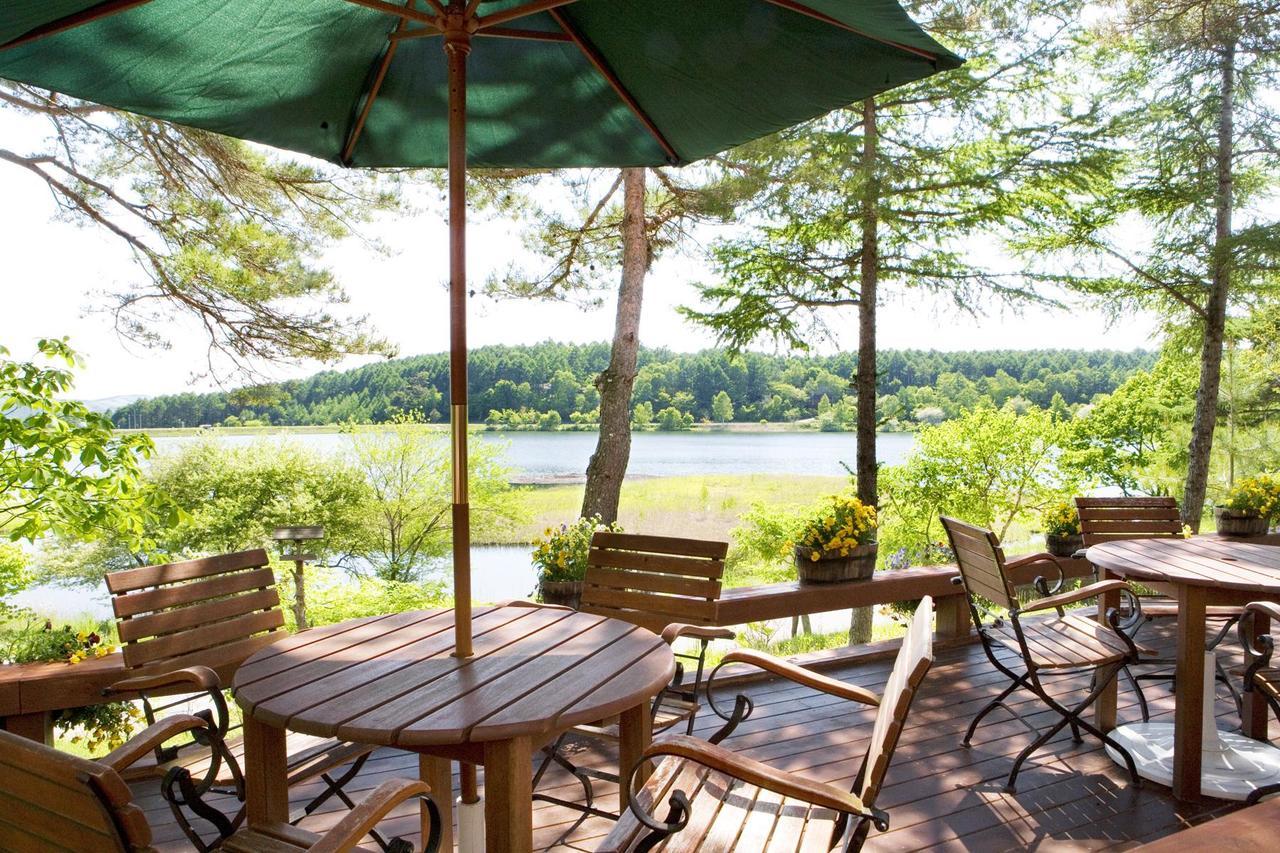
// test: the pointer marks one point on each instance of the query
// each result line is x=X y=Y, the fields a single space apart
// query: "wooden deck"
x=940 y=795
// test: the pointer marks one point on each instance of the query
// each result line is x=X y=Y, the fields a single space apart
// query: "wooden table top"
x=392 y=680
x=1200 y=561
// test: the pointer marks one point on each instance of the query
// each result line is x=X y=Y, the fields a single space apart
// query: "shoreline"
x=796 y=427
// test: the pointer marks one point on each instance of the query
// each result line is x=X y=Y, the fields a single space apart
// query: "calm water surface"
x=544 y=456
x=503 y=571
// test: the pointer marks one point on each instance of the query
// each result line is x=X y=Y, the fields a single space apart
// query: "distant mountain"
x=107 y=404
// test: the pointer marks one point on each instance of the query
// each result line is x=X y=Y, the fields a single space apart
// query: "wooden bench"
x=783 y=600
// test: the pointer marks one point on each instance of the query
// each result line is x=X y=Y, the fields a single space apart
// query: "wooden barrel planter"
x=566 y=593
x=1233 y=522
x=834 y=567
x=1063 y=546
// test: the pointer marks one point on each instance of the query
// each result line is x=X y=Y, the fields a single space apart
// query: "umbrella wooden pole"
x=457 y=44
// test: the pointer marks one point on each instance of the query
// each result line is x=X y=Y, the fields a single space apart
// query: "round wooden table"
x=394 y=681
x=1201 y=572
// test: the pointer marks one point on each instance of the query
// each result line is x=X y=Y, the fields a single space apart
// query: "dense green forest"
x=552 y=383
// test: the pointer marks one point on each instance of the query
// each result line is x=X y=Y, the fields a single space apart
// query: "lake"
x=537 y=457
x=503 y=571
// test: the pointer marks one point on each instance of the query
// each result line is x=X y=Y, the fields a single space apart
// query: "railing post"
x=952 y=615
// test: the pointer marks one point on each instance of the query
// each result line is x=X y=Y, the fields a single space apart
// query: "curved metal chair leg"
x=991 y=706
x=1011 y=785
x=1137 y=690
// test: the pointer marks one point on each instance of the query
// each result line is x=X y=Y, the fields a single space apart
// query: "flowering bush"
x=1060 y=519
x=839 y=526
x=1258 y=495
x=560 y=554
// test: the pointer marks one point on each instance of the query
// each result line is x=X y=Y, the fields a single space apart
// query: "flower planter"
x=567 y=593
x=1233 y=522
x=1063 y=546
x=834 y=567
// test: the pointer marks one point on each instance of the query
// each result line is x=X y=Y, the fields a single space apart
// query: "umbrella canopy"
x=550 y=84
x=522 y=83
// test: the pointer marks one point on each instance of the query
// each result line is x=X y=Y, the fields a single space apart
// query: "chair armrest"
x=121 y=758
x=355 y=824
x=699 y=632
x=754 y=772
x=1093 y=590
x=198 y=678
x=800 y=675
x=1266 y=608
x=1031 y=559
x=1042 y=586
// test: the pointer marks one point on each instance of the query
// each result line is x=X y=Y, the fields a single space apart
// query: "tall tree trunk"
x=1215 y=319
x=608 y=464
x=865 y=381
x=861 y=618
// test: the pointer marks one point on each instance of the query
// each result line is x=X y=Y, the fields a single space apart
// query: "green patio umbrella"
x=522 y=83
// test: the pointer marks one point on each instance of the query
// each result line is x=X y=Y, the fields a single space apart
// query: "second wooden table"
x=1200 y=572
x=393 y=681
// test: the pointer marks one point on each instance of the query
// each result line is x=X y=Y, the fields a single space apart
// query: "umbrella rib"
x=402 y=12
x=532 y=8
x=597 y=61
x=69 y=22
x=827 y=19
x=527 y=35
x=374 y=86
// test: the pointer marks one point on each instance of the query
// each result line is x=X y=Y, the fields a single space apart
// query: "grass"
x=700 y=507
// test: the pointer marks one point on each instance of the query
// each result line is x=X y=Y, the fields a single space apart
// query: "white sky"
x=55 y=273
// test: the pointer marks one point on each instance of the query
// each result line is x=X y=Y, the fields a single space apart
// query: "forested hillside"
x=550 y=383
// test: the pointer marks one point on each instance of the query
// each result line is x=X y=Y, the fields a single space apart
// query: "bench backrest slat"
x=653 y=581
x=1109 y=519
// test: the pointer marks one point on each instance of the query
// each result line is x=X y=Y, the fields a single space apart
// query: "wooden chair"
x=1259 y=675
x=719 y=800
x=667 y=585
x=184 y=630
x=59 y=802
x=1112 y=519
x=1066 y=643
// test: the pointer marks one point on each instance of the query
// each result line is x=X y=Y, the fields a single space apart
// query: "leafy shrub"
x=333 y=597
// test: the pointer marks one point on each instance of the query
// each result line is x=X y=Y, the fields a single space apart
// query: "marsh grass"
x=700 y=507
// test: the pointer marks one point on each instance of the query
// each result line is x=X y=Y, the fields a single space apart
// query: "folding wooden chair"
x=184 y=630
x=1112 y=519
x=719 y=800
x=1259 y=675
x=670 y=586
x=61 y=803
x=1064 y=644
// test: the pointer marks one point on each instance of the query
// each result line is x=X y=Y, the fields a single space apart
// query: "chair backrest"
x=653 y=581
x=914 y=659
x=214 y=611
x=981 y=562
x=59 y=802
x=1107 y=519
